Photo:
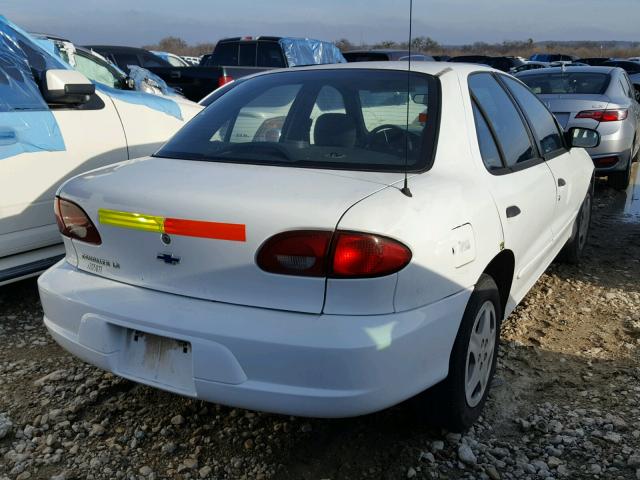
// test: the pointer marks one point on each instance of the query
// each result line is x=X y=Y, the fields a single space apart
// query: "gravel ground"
x=566 y=403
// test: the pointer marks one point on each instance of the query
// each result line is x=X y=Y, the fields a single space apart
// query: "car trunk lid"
x=216 y=216
x=566 y=106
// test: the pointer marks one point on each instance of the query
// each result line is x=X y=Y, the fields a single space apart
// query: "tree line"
x=428 y=45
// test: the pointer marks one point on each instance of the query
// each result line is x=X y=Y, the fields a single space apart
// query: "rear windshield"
x=570 y=83
x=335 y=119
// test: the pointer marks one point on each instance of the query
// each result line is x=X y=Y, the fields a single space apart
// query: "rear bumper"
x=612 y=146
x=269 y=360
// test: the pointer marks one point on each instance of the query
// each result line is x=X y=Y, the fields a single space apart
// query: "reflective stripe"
x=189 y=228
x=195 y=228
x=135 y=221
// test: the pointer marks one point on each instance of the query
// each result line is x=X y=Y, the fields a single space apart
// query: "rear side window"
x=540 y=119
x=504 y=118
x=225 y=54
x=488 y=148
x=270 y=55
x=351 y=119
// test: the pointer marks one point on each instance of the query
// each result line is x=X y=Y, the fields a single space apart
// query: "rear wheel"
x=457 y=402
x=573 y=250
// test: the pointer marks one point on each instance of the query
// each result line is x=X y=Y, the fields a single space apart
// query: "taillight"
x=301 y=252
x=224 y=79
x=366 y=255
x=604 y=115
x=318 y=253
x=73 y=222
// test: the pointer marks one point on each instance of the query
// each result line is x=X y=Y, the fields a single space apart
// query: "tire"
x=620 y=180
x=451 y=404
x=574 y=248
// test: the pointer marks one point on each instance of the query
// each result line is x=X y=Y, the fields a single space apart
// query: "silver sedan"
x=601 y=98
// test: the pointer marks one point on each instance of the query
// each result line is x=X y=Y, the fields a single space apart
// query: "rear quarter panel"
x=445 y=198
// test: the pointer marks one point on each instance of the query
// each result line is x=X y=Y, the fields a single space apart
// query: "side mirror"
x=582 y=137
x=67 y=87
x=636 y=87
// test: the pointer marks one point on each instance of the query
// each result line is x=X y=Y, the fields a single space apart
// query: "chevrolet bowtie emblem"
x=168 y=258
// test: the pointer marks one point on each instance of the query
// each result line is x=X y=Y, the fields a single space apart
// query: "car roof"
x=568 y=68
x=116 y=48
x=431 y=68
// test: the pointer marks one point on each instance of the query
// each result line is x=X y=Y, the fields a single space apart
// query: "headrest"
x=335 y=130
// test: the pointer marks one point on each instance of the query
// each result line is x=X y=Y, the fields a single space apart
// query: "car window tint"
x=316 y=118
x=488 y=148
x=125 y=59
x=262 y=119
x=390 y=108
x=270 y=55
x=543 y=83
x=247 y=55
x=505 y=119
x=225 y=54
x=329 y=100
x=542 y=121
x=627 y=87
x=151 y=60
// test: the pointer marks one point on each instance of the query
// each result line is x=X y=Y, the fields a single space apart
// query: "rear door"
x=520 y=181
x=571 y=169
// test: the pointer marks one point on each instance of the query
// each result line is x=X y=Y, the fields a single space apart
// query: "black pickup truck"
x=232 y=58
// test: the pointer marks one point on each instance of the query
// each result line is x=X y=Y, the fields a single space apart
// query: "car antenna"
x=405 y=189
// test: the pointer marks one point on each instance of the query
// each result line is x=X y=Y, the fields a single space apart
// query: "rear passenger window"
x=504 y=118
x=541 y=120
x=488 y=148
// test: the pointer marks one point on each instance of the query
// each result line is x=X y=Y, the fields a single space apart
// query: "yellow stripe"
x=135 y=221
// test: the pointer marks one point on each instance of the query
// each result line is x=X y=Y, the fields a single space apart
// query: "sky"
x=450 y=22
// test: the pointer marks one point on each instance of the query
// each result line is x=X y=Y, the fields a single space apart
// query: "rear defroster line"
x=235 y=232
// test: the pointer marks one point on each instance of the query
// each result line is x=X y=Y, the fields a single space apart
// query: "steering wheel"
x=388 y=137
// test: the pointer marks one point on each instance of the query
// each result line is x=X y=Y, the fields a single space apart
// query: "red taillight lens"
x=604 y=115
x=366 y=255
x=316 y=253
x=224 y=79
x=73 y=222
x=302 y=252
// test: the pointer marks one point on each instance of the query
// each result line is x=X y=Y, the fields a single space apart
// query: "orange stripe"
x=195 y=228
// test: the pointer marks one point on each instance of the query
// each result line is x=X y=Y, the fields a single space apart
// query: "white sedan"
x=294 y=271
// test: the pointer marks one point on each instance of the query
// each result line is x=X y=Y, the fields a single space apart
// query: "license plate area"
x=158 y=360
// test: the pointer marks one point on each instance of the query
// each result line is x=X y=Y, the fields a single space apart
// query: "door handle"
x=513 y=211
x=562 y=182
